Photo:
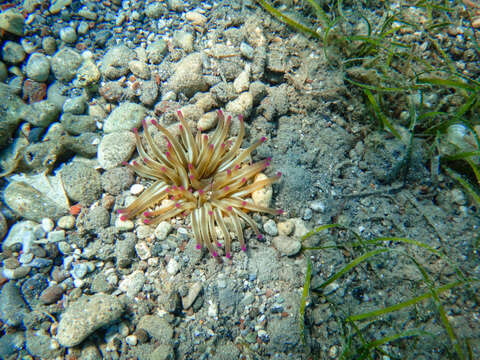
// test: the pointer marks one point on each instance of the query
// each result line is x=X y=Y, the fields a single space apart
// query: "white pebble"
x=162 y=230
x=131 y=340
x=137 y=189
x=66 y=222
x=143 y=251
x=173 y=267
x=47 y=224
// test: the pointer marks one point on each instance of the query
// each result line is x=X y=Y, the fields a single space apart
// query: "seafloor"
x=79 y=283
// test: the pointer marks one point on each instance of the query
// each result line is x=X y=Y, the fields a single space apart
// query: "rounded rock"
x=82 y=183
x=125 y=117
x=115 y=148
x=287 y=245
x=68 y=34
x=38 y=67
x=86 y=315
x=13 y=52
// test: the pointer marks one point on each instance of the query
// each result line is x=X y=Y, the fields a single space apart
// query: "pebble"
x=66 y=222
x=47 y=224
x=156 y=327
x=191 y=296
x=139 y=69
x=162 y=230
x=38 y=67
x=133 y=283
x=116 y=180
x=65 y=64
x=81 y=182
x=156 y=51
x=242 y=105
x=30 y=203
x=143 y=250
x=173 y=267
x=115 y=62
x=208 y=121
x=125 y=117
x=68 y=35
x=13 y=52
x=318 y=206
x=26 y=258
x=12 y=306
x=79 y=270
x=285 y=227
x=115 y=148
x=136 y=189
x=262 y=196
x=183 y=40
x=124 y=225
x=131 y=340
x=17 y=273
x=188 y=76
x=196 y=18
x=86 y=315
x=242 y=82
x=286 y=245
x=143 y=231
x=56 y=236
x=51 y=294
x=12 y=21
x=270 y=228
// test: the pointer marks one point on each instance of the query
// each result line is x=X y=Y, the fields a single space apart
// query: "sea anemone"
x=208 y=179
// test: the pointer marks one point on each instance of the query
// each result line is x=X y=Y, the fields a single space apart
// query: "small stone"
x=26 y=258
x=65 y=64
x=12 y=306
x=56 y=236
x=285 y=227
x=193 y=292
x=262 y=196
x=136 y=189
x=115 y=148
x=156 y=327
x=47 y=224
x=51 y=294
x=124 y=225
x=131 y=340
x=12 y=21
x=318 y=206
x=173 y=267
x=196 y=18
x=86 y=315
x=38 y=67
x=17 y=273
x=242 y=105
x=68 y=35
x=139 y=69
x=208 y=121
x=66 y=222
x=143 y=250
x=270 y=228
x=115 y=62
x=162 y=230
x=287 y=245
x=133 y=283
x=242 y=82
x=184 y=40
x=125 y=117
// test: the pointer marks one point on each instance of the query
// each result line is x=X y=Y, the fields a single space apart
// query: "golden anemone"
x=209 y=179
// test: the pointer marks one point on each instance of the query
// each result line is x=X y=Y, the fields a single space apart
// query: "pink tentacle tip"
x=134 y=163
x=259 y=236
x=219 y=245
x=214 y=254
x=177 y=205
x=124 y=163
x=240 y=117
x=121 y=211
x=279 y=174
x=154 y=122
x=220 y=112
x=179 y=113
x=244 y=248
x=228 y=255
x=144 y=122
x=227 y=188
x=146 y=221
x=263 y=139
x=123 y=218
x=199 y=246
x=210 y=212
x=147 y=213
x=229 y=208
x=135 y=130
x=180 y=127
x=190 y=166
x=280 y=211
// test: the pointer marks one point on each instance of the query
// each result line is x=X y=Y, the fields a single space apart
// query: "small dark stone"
x=32 y=288
x=51 y=294
x=116 y=180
